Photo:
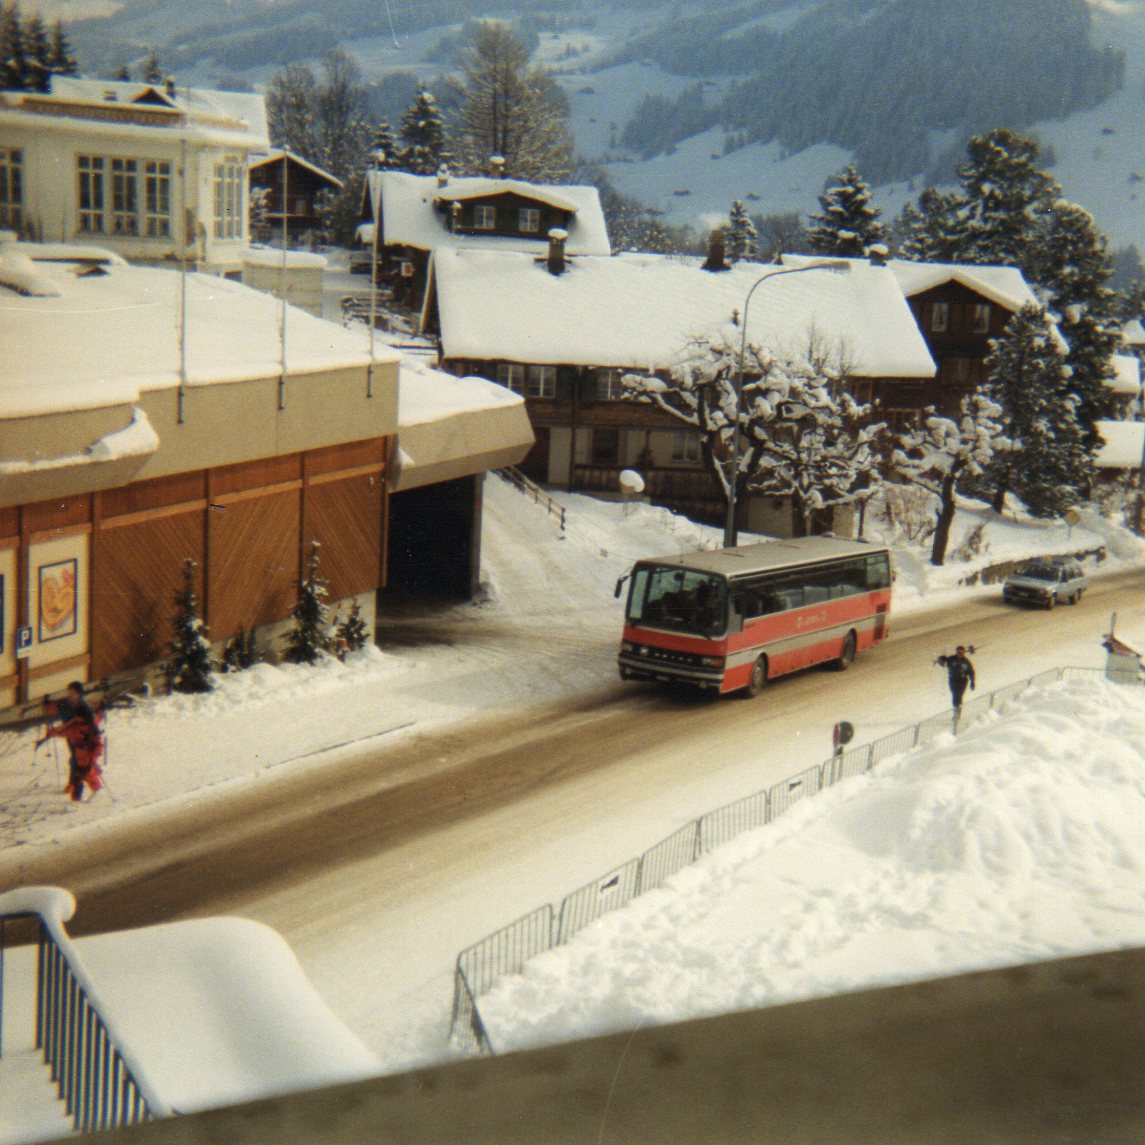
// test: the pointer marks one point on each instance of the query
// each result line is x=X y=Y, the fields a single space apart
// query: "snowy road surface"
x=381 y=865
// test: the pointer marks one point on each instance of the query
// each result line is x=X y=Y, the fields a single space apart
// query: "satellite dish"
x=631 y=481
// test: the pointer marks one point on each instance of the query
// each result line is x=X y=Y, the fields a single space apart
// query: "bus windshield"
x=666 y=596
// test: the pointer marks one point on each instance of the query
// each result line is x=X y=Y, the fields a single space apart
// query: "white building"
x=156 y=173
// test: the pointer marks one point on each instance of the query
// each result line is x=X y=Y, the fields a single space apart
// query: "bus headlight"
x=627 y=646
x=712 y=661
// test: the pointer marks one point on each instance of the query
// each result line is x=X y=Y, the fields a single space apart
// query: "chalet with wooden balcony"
x=562 y=330
x=292 y=189
x=423 y=213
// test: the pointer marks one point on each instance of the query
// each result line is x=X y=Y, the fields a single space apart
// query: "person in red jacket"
x=78 y=728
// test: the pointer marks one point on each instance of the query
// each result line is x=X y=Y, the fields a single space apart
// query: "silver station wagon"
x=1046 y=583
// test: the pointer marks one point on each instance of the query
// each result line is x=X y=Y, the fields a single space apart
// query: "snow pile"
x=231 y=1018
x=1022 y=840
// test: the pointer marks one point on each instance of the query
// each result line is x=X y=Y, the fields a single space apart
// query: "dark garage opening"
x=435 y=540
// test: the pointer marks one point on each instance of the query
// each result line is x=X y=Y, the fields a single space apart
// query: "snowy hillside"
x=610 y=56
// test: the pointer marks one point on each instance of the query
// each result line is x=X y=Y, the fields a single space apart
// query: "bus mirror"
x=619 y=585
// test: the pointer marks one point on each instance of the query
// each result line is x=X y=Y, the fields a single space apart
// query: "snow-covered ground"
x=1018 y=841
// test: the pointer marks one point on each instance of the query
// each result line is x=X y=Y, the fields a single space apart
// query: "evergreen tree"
x=189 y=667
x=423 y=133
x=60 y=58
x=942 y=451
x=1070 y=262
x=351 y=633
x=927 y=232
x=386 y=155
x=1049 y=465
x=240 y=652
x=13 y=57
x=510 y=109
x=847 y=225
x=1004 y=196
x=308 y=641
x=37 y=53
x=123 y=74
x=152 y=72
x=741 y=239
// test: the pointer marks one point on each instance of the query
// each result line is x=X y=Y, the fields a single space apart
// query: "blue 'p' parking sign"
x=24 y=640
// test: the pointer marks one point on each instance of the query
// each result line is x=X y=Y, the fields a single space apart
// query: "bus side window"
x=736 y=617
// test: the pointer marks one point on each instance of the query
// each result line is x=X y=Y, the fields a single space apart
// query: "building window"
x=529 y=220
x=542 y=381
x=91 y=173
x=939 y=316
x=124 y=200
x=11 y=188
x=608 y=385
x=512 y=376
x=229 y=200
x=156 y=199
x=686 y=445
x=958 y=371
x=981 y=318
x=484 y=218
x=606 y=447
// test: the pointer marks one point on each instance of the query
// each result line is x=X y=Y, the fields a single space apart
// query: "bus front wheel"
x=847 y=653
x=758 y=678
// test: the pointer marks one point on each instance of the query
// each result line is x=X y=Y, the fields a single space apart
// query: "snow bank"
x=1022 y=840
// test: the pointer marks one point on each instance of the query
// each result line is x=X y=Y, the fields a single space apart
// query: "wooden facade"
x=247 y=526
x=957 y=324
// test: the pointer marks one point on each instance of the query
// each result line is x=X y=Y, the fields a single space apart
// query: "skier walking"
x=959 y=674
x=78 y=728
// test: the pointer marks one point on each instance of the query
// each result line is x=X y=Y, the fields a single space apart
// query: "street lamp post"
x=835 y=266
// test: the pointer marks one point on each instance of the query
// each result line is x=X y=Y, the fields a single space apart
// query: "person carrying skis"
x=78 y=728
x=959 y=674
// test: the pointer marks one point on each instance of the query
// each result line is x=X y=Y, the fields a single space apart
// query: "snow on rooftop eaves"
x=1122 y=445
x=410 y=217
x=105 y=339
x=241 y=115
x=428 y=395
x=638 y=311
x=274 y=154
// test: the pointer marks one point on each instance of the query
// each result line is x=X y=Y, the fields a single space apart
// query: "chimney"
x=169 y=86
x=497 y=165
x=454 y=215
x=556 y=259
x=443 y=175
x=877 y=253
x=715 y=260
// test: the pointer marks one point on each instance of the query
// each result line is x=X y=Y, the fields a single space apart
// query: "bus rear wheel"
x=757 y=681
x=847 y=653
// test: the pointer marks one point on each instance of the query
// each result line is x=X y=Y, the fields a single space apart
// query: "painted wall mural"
x=58 y=600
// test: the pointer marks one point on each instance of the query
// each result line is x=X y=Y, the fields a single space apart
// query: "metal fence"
x=96 y=1077
x=507 y=950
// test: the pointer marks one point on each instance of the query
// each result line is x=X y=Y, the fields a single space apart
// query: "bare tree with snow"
x=802 y=434
x=509 y=108
x=941 y=451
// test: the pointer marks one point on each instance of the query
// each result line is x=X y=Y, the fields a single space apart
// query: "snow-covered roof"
x=274 y=257
x=274 y=154
x=450 y=427
x=241 y=112
x=1126 y=374
x=1133 y=333
x=106 y=337
x=1123 y=442
x=410 y=218
x=637 y=311
x=1004 y=285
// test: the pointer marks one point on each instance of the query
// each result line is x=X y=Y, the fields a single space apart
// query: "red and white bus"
x=731 y=619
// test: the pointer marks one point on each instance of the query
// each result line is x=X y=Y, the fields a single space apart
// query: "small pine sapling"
x=351 y=633
x=308 y=641
x=189 y=667
x=240 y=652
